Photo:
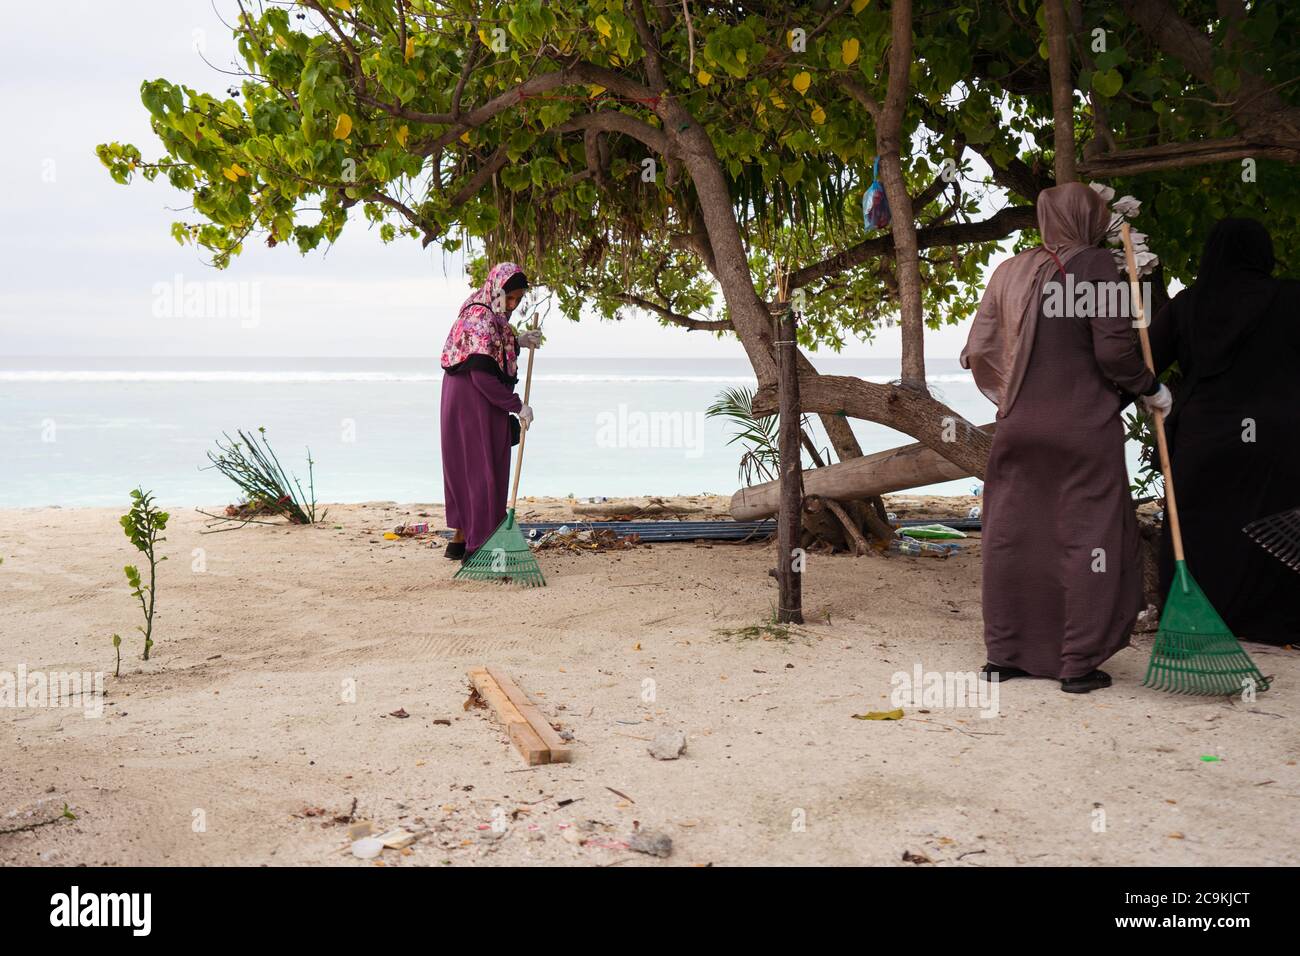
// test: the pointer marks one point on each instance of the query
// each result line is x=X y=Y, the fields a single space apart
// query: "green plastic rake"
x=505 y=555
x=1194 y=651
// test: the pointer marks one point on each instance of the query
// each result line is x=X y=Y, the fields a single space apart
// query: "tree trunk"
x=906 y=410
x=909 y=410
x=853 y=532
x=789 y=572
x=821 y=527
x=1058 y=53
x=896 y=469
x=837 y=426
x=748 y=313
x=902 y=218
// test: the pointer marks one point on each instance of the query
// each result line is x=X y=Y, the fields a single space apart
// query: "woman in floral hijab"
x=478 y=399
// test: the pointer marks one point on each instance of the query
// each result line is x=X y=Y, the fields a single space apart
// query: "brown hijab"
x=1071 y=219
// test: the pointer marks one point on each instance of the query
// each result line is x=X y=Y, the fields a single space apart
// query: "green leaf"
x=1107 y=82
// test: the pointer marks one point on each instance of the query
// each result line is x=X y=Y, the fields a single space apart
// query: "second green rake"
x=1194 y=651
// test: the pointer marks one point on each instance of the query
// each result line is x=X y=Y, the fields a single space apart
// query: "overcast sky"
x=84 y=259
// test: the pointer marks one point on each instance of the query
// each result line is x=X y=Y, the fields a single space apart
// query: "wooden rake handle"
x=523 y=431
x=1139 y=310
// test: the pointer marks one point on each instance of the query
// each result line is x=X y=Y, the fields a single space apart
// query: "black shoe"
x=1086 y=684
x=998 y=673
x=455 y=551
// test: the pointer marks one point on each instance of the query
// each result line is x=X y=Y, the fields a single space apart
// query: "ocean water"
x=84 y=432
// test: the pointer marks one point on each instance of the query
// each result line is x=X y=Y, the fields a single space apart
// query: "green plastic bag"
x=931 y=531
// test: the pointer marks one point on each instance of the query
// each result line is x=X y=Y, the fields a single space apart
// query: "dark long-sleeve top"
x=1164 y=337
x=494 y=390
x=1114 y=343
x=490 y=380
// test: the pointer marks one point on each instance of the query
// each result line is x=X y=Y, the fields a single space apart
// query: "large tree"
x=645 y=153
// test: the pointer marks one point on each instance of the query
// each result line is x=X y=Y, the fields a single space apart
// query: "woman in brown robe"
x=1062 y=574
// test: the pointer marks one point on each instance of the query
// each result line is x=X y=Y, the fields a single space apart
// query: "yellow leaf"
x=603 y=26
x=402 y=133
x=343 y=126
x=704 y=77
x=880 y=715
x=802 y=81
x=777 y=101
x=595 y=89
x=849 y=50
x=344 y=5
x=410 y=48
x=239 y=170
x=464 y=137
x=818 y=115
x=860 y=5
x=231 y=175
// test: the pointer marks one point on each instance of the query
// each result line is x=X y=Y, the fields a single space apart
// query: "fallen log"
x=620 y=508
x=895 y=469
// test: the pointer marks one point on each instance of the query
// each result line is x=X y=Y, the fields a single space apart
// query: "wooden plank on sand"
x=521 y=733
x=558 y=747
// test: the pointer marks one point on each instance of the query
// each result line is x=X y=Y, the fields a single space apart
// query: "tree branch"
x=1130 y=162
x=676 y=318
x=481 y=178
x=998 y=226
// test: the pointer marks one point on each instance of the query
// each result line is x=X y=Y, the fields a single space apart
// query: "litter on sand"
x=922 y=549
x=396 y=839
x=931 y=531
x=570 y=539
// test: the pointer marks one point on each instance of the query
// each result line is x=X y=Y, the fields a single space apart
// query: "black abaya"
x=1234 y=433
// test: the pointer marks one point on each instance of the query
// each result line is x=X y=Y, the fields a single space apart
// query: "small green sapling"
x=144 y=525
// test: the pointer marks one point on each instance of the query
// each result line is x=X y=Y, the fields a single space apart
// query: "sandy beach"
x=263 y=724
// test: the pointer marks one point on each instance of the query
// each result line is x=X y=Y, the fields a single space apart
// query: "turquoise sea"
x=84 y=432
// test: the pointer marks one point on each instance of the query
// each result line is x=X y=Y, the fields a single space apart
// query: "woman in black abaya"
x=1234 y=432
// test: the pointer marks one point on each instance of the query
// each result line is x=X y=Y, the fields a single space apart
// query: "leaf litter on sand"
x=896 y=714
x=767 y=631
x=581 y=541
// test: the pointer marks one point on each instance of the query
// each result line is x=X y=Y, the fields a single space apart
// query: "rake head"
x=1279 y=535
x=505 y=556
x=1194 y=651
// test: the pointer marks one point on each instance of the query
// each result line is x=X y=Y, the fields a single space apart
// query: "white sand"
x=239 y=720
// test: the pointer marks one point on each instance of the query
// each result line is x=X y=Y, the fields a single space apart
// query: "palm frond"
x=758 y=433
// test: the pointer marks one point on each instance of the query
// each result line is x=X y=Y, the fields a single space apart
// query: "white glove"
x=532 y=339
x=1161 y=401
x=526 y=415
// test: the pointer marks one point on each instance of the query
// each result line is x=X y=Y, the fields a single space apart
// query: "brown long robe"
x=1062 y=576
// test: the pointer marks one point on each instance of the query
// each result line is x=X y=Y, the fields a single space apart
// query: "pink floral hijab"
x=481 y=328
